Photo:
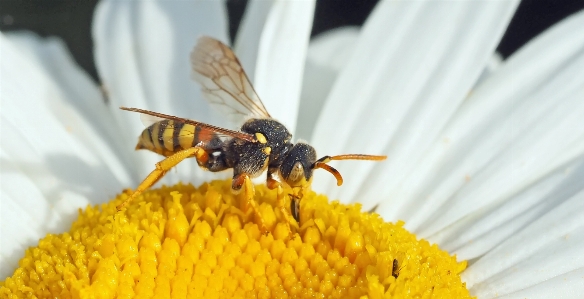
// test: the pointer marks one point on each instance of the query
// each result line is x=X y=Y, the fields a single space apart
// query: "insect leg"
x=246 y=196
x=272 y=183
x=295 y=208
x=162 y=168
x=214 y=162
x=285 y=211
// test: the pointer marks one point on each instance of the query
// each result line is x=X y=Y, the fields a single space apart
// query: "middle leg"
x=246 y=196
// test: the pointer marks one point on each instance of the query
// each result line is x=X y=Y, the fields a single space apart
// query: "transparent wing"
x=148 y=120
x=150 y=117
x=224 y=82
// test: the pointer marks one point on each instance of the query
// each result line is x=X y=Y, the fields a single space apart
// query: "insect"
x=395 y=267
x=261 y=144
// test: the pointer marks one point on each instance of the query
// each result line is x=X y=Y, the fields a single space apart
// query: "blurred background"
x=71 y=20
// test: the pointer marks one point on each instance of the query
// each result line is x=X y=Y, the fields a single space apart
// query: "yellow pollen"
x=186 y=242
x=261 y=138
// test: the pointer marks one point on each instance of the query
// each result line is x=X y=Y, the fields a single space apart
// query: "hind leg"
x=163 y=167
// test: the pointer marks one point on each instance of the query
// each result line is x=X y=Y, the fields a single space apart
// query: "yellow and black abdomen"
x=167 y=137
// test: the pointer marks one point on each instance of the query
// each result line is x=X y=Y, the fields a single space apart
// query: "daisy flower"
x=485 y=158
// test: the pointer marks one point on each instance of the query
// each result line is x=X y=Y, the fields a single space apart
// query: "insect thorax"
x=275 y=132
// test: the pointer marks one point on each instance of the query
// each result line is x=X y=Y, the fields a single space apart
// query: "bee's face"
x=298 y=175
x=296 y=168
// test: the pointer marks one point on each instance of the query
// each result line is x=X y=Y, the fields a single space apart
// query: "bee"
x=262 y=143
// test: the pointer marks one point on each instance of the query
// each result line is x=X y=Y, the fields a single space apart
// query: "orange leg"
x=163 y=167
x=246 y=196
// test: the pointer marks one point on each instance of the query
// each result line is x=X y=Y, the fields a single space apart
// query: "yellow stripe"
x=157 y=145
x=145 y=140
x=167 y=136
x=187 y=133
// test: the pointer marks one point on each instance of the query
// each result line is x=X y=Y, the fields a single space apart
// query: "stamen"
x=188 y=242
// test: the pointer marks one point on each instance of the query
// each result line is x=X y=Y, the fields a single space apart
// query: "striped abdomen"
x=166 y=137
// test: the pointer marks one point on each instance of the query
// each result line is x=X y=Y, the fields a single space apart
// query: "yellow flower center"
x=186 y=242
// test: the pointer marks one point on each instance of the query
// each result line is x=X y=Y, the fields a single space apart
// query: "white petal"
x=479 y=232
x=414 y=65
x=25 y=215
x=549 y=247
x=247 y=40
x=494 y=64
x=142 y=55
x=565 y=286
x=281 y=58
x=327 y=55
x=505 y=137
x=45 y=100
x=54 y=160
x=334 y=48
x=52 y=56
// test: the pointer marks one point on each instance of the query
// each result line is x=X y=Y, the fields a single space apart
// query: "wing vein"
x=225 y=84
